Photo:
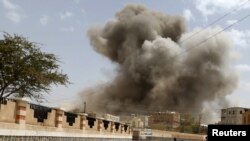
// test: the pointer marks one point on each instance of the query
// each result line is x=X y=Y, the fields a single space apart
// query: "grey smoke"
x=153 y=72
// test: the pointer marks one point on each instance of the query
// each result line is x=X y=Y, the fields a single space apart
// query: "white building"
x=110 y=117
x=233 y=115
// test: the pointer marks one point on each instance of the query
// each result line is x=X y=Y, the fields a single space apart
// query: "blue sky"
x=61 y=26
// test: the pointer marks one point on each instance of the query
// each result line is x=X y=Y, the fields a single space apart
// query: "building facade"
x=246 y=118
x=164 y=120
x=233 y=115
x=136 y=121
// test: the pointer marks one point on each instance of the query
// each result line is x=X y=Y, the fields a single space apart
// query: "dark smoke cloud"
x=151 y=74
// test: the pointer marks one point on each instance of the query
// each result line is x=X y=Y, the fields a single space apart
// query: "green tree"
x=26 y=71
x=187 y=123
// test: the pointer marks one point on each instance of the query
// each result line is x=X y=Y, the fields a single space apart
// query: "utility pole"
x=85 y=106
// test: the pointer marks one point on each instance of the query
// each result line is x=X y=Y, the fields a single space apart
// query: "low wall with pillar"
x=20 y=118
x=159 y=135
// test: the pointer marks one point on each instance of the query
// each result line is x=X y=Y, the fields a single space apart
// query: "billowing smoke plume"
x=158 y=67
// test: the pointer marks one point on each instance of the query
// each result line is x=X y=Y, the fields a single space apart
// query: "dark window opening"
x=71 y=117
x=40 y=112
x=3 y=101
x=91 y=121
x=125 y=128
x=117 y=126
x=106 y=124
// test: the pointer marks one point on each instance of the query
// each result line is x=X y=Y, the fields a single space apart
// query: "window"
x=240 y=112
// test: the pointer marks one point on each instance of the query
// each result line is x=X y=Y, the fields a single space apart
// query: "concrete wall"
x=7 y=111
x=75 y=125
x=30 y=119
x=169 y=134
x=46 y=138
x=166 y=136
x=16 y=116
x=21 y=120
x=233 y=115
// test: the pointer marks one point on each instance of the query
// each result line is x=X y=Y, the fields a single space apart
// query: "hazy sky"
x=61 y=26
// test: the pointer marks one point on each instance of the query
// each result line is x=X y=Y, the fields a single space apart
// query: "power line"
x=213 y=35
x=215 y=21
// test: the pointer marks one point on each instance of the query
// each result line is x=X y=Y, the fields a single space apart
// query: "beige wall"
x=11 y=111
x=8 y=112
x=168 y=119
x=158 y=126
x=94 y=127
x=30 y=116
x=12 y=129
x=30 y=119
x=159 y=133
x=75 y=125
x=108 y=129
x=50 y=121
x=246 y=118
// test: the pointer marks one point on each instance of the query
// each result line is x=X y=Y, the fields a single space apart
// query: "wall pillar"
x=129 y=130
x=59 y=117
x=122 y=128
x=83 y=122
x=21 y=111
x=112 y=127
x=100 y=125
